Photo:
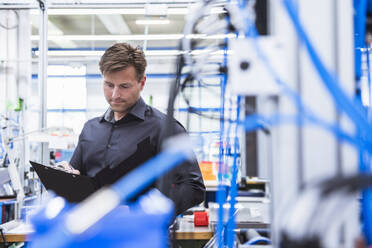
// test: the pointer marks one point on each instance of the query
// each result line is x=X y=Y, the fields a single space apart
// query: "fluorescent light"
x=152 y=22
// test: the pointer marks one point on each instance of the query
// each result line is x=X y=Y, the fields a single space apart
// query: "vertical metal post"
x=42 y=77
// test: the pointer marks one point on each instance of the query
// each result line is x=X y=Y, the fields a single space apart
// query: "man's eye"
x=124 y=86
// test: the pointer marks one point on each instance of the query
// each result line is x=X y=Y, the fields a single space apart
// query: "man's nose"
x=115 y=92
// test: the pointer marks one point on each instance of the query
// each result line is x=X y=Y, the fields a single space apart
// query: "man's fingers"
x=65 y=165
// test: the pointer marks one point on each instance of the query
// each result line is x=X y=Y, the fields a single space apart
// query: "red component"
x=201 y=218
x=58 y=155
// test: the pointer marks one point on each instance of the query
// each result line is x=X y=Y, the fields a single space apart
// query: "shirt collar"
x=138 y=110
x=108 y=116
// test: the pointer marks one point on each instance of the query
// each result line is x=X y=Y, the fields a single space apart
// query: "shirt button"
x=108 y=146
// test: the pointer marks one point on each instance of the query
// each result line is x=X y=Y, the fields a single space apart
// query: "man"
x=130 y=132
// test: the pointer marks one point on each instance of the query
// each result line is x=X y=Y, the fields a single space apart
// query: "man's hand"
x=66 y=166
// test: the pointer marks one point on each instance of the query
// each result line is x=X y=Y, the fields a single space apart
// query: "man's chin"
x=118 y=109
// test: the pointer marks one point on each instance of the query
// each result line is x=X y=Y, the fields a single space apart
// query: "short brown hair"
x=121 y=55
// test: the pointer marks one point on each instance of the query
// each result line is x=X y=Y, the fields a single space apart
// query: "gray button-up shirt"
x=109 y=149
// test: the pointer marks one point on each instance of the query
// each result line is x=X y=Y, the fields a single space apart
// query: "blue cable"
x=364 y=165
x=353 y=111
x=255 y=121
x=368 y=75
x=227 y=150
x=221 y=191
x=228 y=130
x=330 y=81
x=360 y=8
x=306 y=112
x=258 y=240
x=233 y=185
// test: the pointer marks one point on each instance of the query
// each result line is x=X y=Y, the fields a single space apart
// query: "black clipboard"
x=74 y=188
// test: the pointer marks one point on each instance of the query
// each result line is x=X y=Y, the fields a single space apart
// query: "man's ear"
x=142 y=82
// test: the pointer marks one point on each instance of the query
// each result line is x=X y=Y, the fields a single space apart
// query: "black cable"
x=347 y=184
x=41 y=5
x=3 y=237
x=194 y=110
x=173 y=229
x=351 y=184
x=174 y=89
x=5 y=160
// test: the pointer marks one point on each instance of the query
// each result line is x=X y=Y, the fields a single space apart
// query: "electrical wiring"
x=211 y=26
x=302 y=108
x=289 y=92
x=184 y=59
x=3 y=238
x=226 y=137
x=364 y=168
x=353 y=110
x=326 y=214
x=203 y=26
x=233 y=187
x=174 y=89
x=318 y=207
x=311 y=117
x=221 y=191
x=254 y=122
x=201 y=9
x=367 y=54
x=330 y=81
x=191 y=61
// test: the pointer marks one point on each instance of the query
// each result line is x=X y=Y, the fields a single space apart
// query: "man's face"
x=122 y=90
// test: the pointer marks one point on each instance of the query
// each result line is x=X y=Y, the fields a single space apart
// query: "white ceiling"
x=106 y=25
x=102 y=18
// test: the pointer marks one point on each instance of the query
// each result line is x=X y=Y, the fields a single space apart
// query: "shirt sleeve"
x=76 y=160
x=184 y=184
